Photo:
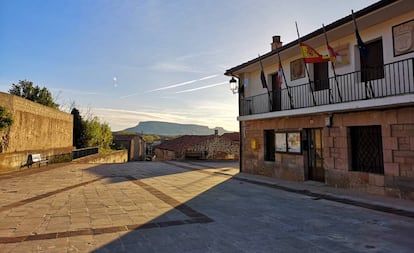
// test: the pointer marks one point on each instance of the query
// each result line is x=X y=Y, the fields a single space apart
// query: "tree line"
x=90 y=133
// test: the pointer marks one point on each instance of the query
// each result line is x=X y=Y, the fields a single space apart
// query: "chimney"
x=276 y=42
x=215 y=131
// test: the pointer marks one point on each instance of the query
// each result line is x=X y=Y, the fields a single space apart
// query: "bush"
x=6 y=118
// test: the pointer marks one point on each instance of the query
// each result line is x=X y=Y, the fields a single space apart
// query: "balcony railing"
x=391 y=79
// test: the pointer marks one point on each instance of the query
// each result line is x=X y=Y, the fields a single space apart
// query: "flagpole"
x=362 y=53
x=267 y=87
x=306 y=68
x=284 y=78
x=332 y=64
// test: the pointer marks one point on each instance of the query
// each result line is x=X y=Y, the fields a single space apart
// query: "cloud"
x=120 y=119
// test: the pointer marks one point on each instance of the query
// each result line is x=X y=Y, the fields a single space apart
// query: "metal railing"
x=391 y=79
x=78 y=153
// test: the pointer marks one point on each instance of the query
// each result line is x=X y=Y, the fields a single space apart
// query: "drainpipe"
x=241 y=145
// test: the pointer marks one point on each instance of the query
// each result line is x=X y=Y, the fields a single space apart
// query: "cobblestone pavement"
x=191 y=207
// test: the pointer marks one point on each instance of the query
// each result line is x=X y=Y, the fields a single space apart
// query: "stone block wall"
x=36 y=129
x=397 y=128
x=135 y=145
x=214 y=147
x=119 y=156
x=164 y=155
x=219 y=148
x=286 y=166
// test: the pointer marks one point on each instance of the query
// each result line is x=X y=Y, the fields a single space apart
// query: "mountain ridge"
x=168 y=128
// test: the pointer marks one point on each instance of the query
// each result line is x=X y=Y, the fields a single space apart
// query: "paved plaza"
x=191 y=207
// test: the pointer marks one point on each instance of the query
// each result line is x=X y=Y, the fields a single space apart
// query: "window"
x=366 y=149
x=372 y=65
x=320 y=74
x=269 y=145
x=288 y=142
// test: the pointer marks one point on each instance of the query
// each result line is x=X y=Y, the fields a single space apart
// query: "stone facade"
x=211 y=147
x=134 y=143
x=397 y=129
x=218 y=148
x=36 y=129
x=119 y=156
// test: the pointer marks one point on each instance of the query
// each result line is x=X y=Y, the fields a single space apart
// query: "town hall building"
x=341 y=114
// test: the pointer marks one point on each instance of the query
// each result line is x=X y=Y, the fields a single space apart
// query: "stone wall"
x=164 y=155
x=119 y=156
x=135 y=145
x=286 y=166
x=214 y=147
x=397 y=128
x=218 y=148
x=36 y=129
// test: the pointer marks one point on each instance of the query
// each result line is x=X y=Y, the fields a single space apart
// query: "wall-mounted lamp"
x=233 y=85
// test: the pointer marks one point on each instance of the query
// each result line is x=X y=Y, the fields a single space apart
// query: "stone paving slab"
x=187 y=207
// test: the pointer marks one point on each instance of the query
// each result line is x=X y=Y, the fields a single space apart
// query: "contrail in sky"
x=201 y=88
x=184 y=83
x=174 y=86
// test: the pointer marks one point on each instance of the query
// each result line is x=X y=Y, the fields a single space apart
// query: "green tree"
x=26 y=89
x=78 y=129
x=97 y=134
x=150 y=138
x=6 y=118
x=107 y=137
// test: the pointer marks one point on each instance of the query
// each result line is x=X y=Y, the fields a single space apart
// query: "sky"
x=127 y=61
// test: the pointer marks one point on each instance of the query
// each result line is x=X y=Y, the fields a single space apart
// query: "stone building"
x=134 y=143
x=205 y=147
x=36 y=129
x=347 y=121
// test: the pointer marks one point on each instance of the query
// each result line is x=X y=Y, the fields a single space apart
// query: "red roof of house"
x=183 y=142
x=235 y=136
x=186 y=141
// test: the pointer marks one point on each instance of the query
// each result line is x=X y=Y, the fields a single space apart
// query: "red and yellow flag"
x=333 y=56
x=310 y=55
x=279 y=76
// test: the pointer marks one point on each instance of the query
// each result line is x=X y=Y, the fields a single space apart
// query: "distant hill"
x=173 y=129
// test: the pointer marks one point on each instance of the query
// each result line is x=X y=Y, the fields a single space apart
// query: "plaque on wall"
x=297 y=69
x=402 y=38
x=343 y=55
x=281 y=144
x=293 y=141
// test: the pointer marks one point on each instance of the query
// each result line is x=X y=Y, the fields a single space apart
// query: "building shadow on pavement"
x=172 y=187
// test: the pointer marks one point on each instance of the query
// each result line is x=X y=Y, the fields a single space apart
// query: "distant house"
x=134 y=143
x=206 y=147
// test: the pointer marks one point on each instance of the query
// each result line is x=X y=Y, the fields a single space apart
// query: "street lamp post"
x=234 y=87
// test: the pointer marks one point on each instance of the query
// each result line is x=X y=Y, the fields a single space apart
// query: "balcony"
x=391 y=80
